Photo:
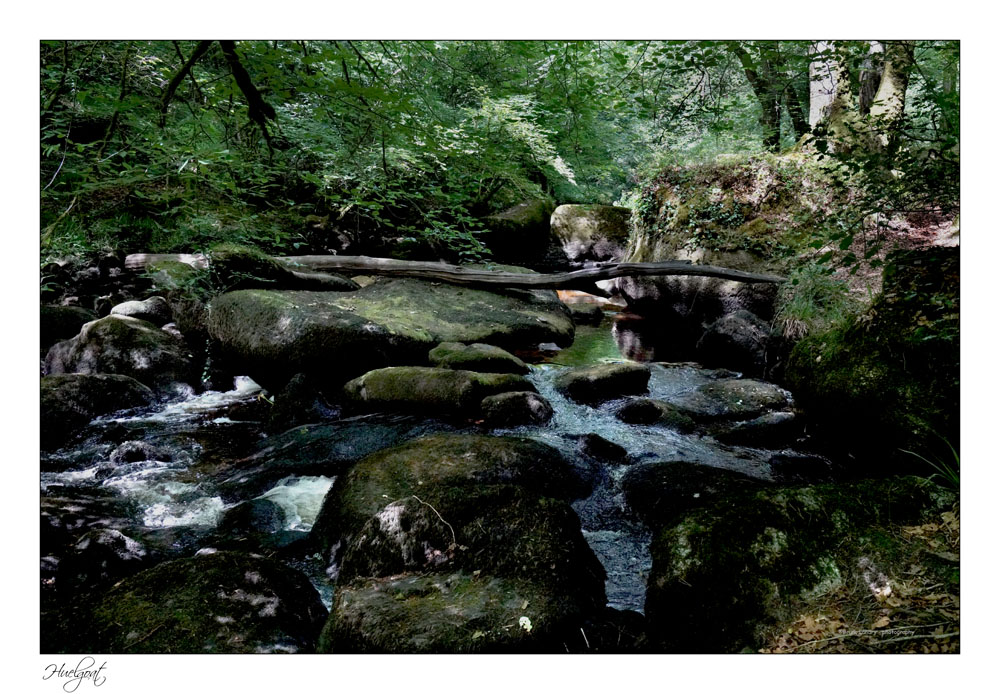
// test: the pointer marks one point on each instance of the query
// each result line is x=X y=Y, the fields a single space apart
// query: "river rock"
x=439 y=468
x=649 y=411
x=70 y=401
x=732 y=399
x=738 y=340
x=458 y=612
x=311 y=450
x=600 y=448
x=586 y=314
x=62 y=322
x=770 y=430
x=800 y=468
x=155 y=309
x=658 y=492
x=241 y=267
x=335 y=336
x=595 y=384
x=513 y=409
x=427 y=390
x=138 y=451
x=100 y=558
x=224 y=602
x=127 y=347
x=501 y=530
x=591 y=232
x=476 y=357
x=520 y=233
x=299 y=402
x=729 y=572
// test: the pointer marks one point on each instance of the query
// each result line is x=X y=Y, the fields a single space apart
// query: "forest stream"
x=173 y=502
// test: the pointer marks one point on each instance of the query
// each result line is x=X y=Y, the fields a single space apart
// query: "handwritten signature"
x=83 y=671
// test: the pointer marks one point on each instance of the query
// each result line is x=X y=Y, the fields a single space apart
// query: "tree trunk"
x=871 y=77
x=259 y=110
x=175 y=81
x=762 y=80
x=453 y=274
x=890 y=101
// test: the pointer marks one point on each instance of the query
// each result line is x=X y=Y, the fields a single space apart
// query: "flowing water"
x=173 y=489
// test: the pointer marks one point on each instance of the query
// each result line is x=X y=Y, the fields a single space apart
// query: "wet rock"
x=797 y=468
x=225 y=602
x=591 y=232
x=127 y=347
x=586 y=314
x=70 y=401
x=733 y=399
x=138 y=451
x=649 y=411
x=695 y=301
x=520 y=233
x=311 y=450
x=513 y=409
x=254 y=517
x=738 y=340
x=440 y=469
x=335 y=336
x=659 y=492
x=501 y=530
x=600 y=448
x=596 y=384
x=62 y=322
x=731 y=571
x=476 y=357
x=428 y=391
x=457 y=612
x=770 y=430
x=299 y=402
x=155 y=310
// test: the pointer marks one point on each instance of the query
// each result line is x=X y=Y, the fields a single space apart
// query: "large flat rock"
x=334 y=336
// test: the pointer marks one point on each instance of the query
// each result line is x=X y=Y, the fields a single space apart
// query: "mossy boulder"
x=732 y=399
x=520 y=233
x=441 y=469
x=428 y=391
x=272 y=335
x=595 y=384
x=62 y=322
x=457 y=612
x=890 y=380
x=500 y=530
x=70 y=401
x=724 y=575
x=155 y=310
x=476 y=357
x=513 y=409
x=127 y=347
x=223 y=602
x=591 y=232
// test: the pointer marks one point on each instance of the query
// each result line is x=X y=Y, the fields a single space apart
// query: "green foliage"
x=813 y=301
x=946 y=471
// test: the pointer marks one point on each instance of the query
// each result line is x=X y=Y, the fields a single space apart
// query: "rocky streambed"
x=430 y=469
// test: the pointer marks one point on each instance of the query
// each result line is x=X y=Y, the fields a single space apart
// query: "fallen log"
x=455 y=274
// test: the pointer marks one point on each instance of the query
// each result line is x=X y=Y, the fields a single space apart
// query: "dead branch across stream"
x=477 y=276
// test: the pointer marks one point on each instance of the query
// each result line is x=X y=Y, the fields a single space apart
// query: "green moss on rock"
x=729 y=571
x=597 y=384
x=225 y=602
x=476 y=357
